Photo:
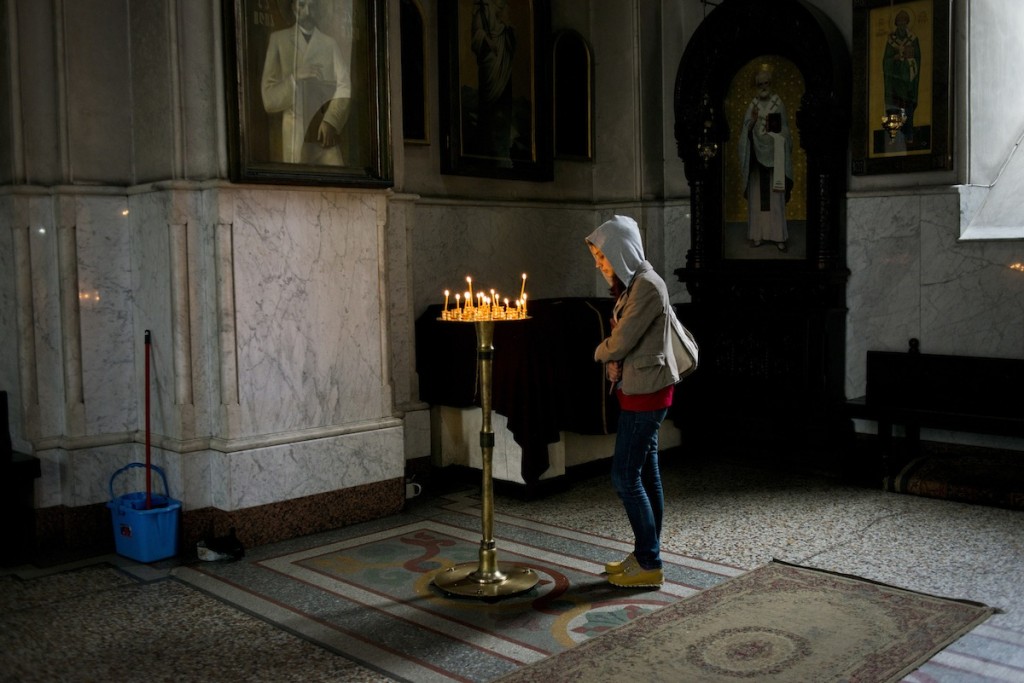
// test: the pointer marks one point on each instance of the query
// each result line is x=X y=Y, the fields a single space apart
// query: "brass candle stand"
x=487 y=578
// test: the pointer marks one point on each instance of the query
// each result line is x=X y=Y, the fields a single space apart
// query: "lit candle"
x=446 y=300
x=458 y=307
x=469 y=283
x=522 y=289
x=468 y=301
x=525 y=295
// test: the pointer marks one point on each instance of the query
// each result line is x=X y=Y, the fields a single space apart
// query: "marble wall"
x=912 y=277
x=268 y=371
x=282 y=356
x=496 y=241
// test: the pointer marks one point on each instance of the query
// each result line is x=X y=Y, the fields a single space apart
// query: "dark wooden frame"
x=869 y=155
x=729 y=38
x=530 y=158
x=365 y=140
x=772 y=331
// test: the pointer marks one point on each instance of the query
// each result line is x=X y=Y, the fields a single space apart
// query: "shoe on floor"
x=619 y=567
x=636 y=576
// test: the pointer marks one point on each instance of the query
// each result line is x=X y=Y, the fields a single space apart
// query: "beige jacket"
x=641 y=338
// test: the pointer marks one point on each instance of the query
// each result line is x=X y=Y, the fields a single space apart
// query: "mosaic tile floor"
x=368 y=591
x=112 y=619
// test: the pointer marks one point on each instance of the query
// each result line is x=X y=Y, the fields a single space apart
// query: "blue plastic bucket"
x=141 y=534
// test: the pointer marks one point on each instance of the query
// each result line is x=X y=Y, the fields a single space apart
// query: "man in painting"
x=306 y=80
x=493 y=41
x=901 y=71
x=765 y=154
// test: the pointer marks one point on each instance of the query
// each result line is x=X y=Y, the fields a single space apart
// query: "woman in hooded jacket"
x=638 y=360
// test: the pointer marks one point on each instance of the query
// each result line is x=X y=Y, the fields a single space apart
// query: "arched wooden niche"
x=573 y=97
x=771 y=322
x=414 y=75
x=714 y=85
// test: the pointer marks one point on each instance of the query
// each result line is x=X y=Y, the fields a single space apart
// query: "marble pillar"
x=269 y=363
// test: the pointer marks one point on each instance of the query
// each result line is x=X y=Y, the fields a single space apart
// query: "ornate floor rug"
x=366 y=592
x=776 y=623
x=979 y=476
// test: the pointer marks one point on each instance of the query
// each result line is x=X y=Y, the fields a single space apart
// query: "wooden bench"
x=973 y=394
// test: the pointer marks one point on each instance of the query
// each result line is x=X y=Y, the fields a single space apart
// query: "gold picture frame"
x=902 y=81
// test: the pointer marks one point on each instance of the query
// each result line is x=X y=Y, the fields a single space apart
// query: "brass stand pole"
x=489 y=578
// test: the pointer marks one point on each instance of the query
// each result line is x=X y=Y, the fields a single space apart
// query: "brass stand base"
x=488 y=578
x=467 y=580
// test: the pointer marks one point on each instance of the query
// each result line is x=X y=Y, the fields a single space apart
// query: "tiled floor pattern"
x=369 y=594
x=114 y=620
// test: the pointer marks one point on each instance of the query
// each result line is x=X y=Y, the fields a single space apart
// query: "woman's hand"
x=613 y=370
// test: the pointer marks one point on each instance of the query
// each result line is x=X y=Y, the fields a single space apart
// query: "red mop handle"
x=149 y=474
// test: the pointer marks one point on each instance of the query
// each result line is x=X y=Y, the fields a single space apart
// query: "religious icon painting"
x=902 y=86
x=495 y=80
x=764 y=164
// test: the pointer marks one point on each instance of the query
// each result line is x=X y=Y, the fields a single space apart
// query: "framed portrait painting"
x=308 y=92
x=902 y=86
x=495 y=71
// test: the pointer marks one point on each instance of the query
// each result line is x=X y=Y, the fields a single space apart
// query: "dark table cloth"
x=545 y=379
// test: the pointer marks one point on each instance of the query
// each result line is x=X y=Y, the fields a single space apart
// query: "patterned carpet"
x=778 y=622
x=370 y=597
x=977 y=476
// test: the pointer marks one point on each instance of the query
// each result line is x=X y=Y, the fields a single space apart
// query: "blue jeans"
x=637 y=479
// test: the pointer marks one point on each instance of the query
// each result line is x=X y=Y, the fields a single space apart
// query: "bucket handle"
x=167 y=491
